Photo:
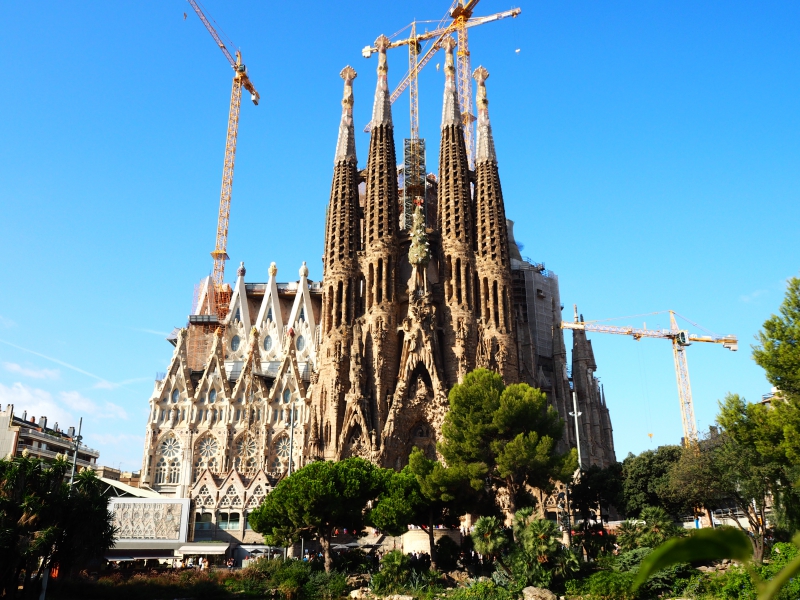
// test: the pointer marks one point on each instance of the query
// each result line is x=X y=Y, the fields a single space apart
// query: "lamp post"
x=577 y=414
x=75 y=453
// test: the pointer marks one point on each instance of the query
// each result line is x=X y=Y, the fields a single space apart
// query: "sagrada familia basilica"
x=360 y=363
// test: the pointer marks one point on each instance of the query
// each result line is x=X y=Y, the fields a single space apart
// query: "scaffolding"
x=413 y=179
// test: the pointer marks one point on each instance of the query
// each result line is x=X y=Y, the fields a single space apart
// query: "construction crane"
x=221 y=295
x=680 y=338
x=414 y=148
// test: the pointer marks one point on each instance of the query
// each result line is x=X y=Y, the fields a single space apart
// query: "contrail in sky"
x=58 y=362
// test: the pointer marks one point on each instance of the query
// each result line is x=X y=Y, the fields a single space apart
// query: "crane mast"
x=414 y=148
x=219 y=254
x=680 y=339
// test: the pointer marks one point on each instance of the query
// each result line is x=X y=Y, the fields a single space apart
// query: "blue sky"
x=648 y=154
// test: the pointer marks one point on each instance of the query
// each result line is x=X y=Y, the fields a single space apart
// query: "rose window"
x=246 y=447
x=170 y=447
x=283 y=448
x=208 y=447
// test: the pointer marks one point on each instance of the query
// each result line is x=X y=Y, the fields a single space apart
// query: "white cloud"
x=753 y=296
x=37 y=403
x=6 y=323
x=86 y=406
x=32 y=373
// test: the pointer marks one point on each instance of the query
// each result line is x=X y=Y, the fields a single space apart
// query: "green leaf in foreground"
x=703 y=544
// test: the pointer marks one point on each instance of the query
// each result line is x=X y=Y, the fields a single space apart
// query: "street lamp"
x=577 y=414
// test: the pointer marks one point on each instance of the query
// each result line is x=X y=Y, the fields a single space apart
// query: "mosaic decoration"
x=147 y=521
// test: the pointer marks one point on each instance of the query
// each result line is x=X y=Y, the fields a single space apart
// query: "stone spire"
x=455 y=225
x=342 y=221
x=484 y=144
x=380 y=256
x=346 y=144
x=491 y=233
x=382 y=108
x=451 y=111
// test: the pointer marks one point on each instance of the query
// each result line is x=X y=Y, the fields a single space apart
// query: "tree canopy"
x=646 y=481
x=507 y=435
x=779 y=350
x=43 y=522
x=318 y=498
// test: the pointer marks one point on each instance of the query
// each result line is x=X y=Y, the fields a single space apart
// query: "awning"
x=203 y=548
x=124 y=555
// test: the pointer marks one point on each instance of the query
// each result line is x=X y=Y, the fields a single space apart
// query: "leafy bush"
x=447 y=552
x=609 y=585
x=627 y=561
x=483 y=590
x=395 y=572
x=326 y=586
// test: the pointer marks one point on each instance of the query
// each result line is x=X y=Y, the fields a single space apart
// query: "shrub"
x=394 y=573
x=483 y=590
x=627 y=561
x=326 y=585
x=609 y=585
x=447 y=552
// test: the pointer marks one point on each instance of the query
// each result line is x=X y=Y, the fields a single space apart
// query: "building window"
x=237 y=414
x=170 y=447
x=174 y=471
x=300 y=343
x=235 y=343
x=268 y=343
x=238 y=315
x=302 y=317
x=212 y=396
x=175 y=395
x=228 y=520
x=161 y=471
x=269 y=316
x=287 y=395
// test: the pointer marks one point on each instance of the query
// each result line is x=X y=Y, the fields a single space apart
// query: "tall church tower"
x=497 y=346
x=456 y=229
x=340 y=298
x=381 y=251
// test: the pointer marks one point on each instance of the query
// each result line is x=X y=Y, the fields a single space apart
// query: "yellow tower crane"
x=461 y=19
x=680 y=338
x=221 y=295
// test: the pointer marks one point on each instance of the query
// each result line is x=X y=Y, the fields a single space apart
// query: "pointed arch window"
x=302 y=316
x=235 y=341
x=238 y=315
x=268 y=343
x=160 y=471
x=212 y=396
x=174 y=474
x=176 y=394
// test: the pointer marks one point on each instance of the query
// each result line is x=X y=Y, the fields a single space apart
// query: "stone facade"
x=360 y=364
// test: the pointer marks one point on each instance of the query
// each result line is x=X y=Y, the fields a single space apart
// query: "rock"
x=458 y=576
x=360 y=594
x=534 y=593
x=398 y=597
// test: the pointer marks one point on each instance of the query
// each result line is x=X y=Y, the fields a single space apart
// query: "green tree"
x=506 y=435
x=318 y=498
x=490 y=539
x=43 y=522
x=425 y=494
x=653 y=527
x=779 y=350
x=597 y=489
x=646 y=481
